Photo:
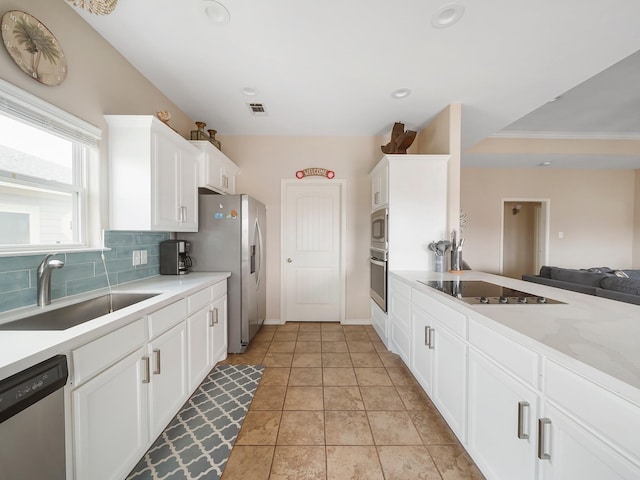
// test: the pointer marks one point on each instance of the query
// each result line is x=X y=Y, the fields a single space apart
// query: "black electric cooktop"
x=477 y=292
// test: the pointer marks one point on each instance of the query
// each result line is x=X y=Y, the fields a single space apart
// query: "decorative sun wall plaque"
x=318 y=172
x=33 y=47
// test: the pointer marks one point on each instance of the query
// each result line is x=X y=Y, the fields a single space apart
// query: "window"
x=43 y=174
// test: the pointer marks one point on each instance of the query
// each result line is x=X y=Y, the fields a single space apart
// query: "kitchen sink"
x=77 y=313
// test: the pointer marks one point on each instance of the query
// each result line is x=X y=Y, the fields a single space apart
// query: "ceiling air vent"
x=257 y=109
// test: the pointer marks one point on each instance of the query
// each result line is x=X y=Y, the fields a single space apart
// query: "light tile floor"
x=334 y=404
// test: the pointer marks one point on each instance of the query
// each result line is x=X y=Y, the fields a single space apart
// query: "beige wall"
x=265 y=161
x=593 y=208
x=636 y=222
x=100 y=81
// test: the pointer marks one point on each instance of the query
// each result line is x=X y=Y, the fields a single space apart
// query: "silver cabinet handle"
x=426 y=335
x=523 y=420
x=146 y=377
x=376 y=198
x=156 y=354
x=432 y=338
x=543 y=440
x=183 y=209
x=213 y=317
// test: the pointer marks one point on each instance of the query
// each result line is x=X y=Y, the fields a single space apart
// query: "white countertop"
x=21 y=349
x=589 y=334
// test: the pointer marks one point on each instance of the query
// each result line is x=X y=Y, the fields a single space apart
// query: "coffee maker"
x=174 y=257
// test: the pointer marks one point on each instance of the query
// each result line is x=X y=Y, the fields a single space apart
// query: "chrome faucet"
x=44 y=278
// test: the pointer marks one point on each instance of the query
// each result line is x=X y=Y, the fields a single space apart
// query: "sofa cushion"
x=624 y=285
x=581 y=277
x=545 y=271
x=633 y=274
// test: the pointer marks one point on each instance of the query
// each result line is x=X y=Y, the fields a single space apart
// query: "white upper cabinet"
x=414 y=190
x=217 y=171
x=153 y=176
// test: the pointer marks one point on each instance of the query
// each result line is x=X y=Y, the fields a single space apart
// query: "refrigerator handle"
x=258 y=234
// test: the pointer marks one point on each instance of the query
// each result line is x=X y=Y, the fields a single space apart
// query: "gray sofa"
x=621 y=285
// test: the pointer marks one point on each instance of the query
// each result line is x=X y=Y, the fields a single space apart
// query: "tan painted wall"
x=100 y=81
x=593 y=208
x=265 y=161
x=636 y=222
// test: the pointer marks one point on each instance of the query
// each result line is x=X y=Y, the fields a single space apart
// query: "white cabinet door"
x=165 y=186
x=449 y=391
x=188 y=192
x=219 y=319
x=380 y=186
x=200 y=346
x=399 y=312
x=110 y=430
x=168 y=386
x=421 y=355
x=502 y=422
x=569 y=451
x=217 y=171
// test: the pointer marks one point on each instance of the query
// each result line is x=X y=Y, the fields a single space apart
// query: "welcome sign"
x=315 y=172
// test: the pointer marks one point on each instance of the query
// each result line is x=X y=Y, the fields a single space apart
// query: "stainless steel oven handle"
x=378 y=262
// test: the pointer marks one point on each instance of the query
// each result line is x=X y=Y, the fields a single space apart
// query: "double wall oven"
x=379 y=256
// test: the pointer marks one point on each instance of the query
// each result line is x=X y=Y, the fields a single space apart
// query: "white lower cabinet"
x=200 y=346
x=207 y=338
x=439 y=362
x=110 y=421
x=128 y=384
x=168 y=377
x=569 y=451
x=502 y=421
x=380 y=322
x=399 y=313
x=520 y=414
x=219 y=329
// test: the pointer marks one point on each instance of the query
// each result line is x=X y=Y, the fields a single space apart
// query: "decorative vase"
x=199 y=134
x=213 y=140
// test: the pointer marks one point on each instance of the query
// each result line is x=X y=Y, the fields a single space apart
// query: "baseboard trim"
x=349 y=321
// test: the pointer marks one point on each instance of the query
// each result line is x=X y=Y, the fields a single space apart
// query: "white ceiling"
x=328 y=68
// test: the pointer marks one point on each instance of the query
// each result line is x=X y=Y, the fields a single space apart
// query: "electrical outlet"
x=143 y=257
x=136 y=257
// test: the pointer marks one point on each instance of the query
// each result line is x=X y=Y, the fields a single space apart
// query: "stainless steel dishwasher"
x=32 y=443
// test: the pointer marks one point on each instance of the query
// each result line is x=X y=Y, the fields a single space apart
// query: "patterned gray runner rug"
x=197 y=442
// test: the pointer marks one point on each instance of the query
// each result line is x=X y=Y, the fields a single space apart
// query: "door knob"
x=289 y=260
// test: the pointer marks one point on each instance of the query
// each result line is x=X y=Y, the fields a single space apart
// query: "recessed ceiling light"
x=401 y=93
x=249 y=91
x=447 y=15
x=544 y=164
x=216 y=11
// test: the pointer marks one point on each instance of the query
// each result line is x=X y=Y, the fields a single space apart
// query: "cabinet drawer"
x=400 y=288
x=198 y=300
x=512 y=356
x=219 y=289
x=167 y=317
x=450 y=318
x=105 y=351
x=610 y=415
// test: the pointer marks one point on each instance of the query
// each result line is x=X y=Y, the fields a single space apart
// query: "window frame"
x=27 y=108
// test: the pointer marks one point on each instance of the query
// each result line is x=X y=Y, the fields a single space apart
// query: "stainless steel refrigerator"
x=231 y=238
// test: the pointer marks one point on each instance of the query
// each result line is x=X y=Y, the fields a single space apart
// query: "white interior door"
x=312 y=244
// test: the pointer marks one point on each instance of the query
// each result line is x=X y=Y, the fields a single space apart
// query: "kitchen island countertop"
x=21 y=349
x=594 y=336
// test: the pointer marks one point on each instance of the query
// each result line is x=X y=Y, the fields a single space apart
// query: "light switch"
x=136 y=257
x=143 y=257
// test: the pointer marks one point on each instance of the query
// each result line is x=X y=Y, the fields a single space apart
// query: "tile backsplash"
x=83 y=271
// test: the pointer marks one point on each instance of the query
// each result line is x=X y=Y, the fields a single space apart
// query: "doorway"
x=313 y=242
x=525 y=236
